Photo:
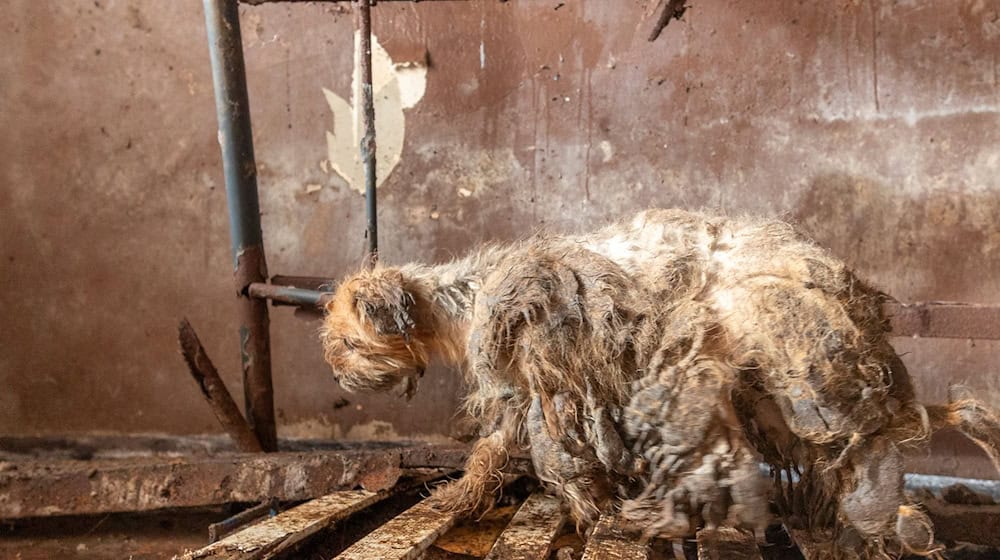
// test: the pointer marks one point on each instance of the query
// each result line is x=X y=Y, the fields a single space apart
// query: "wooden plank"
x=944 y=320
x=271 y=536
x=34 y=488
x=726 y=543
x=406 y=537
x=975 y=524
x=610 y=542
x=531 y=532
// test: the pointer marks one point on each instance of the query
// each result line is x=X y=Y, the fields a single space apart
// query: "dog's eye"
x=348 y=344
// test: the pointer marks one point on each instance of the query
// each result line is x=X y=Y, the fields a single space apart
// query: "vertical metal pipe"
x=222 y=19
x=363 y=23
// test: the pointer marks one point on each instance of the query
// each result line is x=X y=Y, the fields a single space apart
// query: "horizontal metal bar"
x=927 y=320
x=287 y=295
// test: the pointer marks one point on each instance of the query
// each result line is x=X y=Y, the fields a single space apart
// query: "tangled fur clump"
x=650 y=365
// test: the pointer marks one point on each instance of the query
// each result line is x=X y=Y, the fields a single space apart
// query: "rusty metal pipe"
x=214 y=390
x=925 y=320
x=363 y=23
x=222 y=21
x=289 y=295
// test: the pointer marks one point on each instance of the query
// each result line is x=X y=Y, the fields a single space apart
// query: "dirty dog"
x=650 y=366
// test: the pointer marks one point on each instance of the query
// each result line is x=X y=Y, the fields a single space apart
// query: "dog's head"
x=370 y=334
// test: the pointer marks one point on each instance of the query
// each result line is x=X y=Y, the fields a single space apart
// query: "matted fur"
x=650 y=365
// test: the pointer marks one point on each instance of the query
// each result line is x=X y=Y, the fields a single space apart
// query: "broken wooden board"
x=530 y=533
x=278 y=533
x=405 y=537
x=34 y=488
x=726 y=543
x=610 y=542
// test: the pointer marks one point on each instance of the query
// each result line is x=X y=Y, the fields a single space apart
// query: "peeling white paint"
x=396 y=87
x=607 y=151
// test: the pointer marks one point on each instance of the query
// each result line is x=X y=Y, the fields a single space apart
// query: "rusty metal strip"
x=531 y=532
x=35 y=488
x=668 y=9
x=610 y=542
x=214 y=390
x=726 y=543
x=286 y=529
x=928 y=320
x=944 y=320
x=404 y=538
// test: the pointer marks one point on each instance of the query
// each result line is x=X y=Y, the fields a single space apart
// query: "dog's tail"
x=971 y=417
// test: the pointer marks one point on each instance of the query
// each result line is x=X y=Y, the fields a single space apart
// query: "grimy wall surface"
x=874 y=124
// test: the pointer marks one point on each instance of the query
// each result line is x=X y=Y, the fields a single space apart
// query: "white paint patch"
x=396 y=86
x=607 y=151
x=482 y=55
x=412 y=78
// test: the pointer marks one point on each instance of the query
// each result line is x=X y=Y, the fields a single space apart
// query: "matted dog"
x=650 y=366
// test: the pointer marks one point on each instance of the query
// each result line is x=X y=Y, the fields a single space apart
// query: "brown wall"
x=872 y=123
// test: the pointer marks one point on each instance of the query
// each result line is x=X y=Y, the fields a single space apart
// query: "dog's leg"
x=477 y=490
x=874 y=504
x=974 y=419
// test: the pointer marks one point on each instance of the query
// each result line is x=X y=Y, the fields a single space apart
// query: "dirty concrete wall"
x=874 y=124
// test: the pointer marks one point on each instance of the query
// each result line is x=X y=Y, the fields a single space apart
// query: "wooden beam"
x=944 y=320
x=34 y=488
x=965 y=523
x=406 y=537
x=288 y=528
x=726 y=543
x=610 y=542
x=530 y=533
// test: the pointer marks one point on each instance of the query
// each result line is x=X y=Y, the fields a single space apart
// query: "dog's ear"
x=382 y=300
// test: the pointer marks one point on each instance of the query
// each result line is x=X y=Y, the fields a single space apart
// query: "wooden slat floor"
x=533 y=532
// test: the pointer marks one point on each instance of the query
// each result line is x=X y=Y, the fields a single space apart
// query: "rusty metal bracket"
x=669 y=9
x=214 y=390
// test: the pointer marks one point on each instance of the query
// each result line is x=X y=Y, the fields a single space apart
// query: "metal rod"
x=926 y=320
x=363 y=23
x=236 y=139
x=214 y=390
x=669 y=9
x=289 y=295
